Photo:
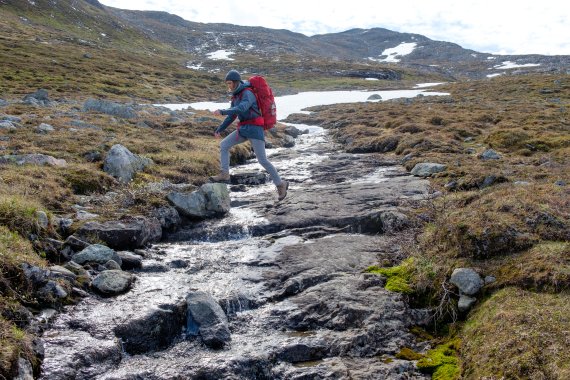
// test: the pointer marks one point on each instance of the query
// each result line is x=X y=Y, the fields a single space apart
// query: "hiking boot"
x=223 y=177
x=282 y=190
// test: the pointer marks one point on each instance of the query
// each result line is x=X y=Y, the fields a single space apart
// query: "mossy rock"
x=398 y=278
x=442 y=361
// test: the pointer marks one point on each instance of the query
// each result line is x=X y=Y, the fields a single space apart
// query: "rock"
x=426 y=169
x=130 y=233
x=42 y=219
x=75 y=243
x=35 y=275
x=292 y=131
x=51 y=293
x=393 y=221
x=467 y=281
x=465 y=303
x=375 y=97
x=38 y=98
x=492 y=180
x=109 y=108
x=490 y=154
x=58 y=271
x=84 y=215
x=113 y=282
x=112 y=265
x=130 y=260
x=3 y=103
x=154 y=330
x=96 y=253
x=64 y=225
x=249 y=178
x=32 y=159
x=122 y=164
x=288 y=141
x=25 y=371
x=212 y=199
x=45 y=128
x=490 y=279
x=82 y=275
x=207 y=319
x=168 y=217
x=83 y=125
x=7 y=125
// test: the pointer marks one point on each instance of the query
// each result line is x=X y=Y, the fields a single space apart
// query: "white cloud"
x=489 y=26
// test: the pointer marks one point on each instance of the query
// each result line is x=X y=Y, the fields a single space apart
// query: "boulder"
x=168 y=217
x=212 y=199
x=152 y=330
x=122 y=164
x=207 y=319
x=467 y=281
x=113 y=282
x=32 y=159
x=130 y=260
x=7 y=125
x=110 y=108
x=127 y=234
x=96 y=253
x=248 y=178
x=465 y=303
x=38 y=98
x=490 y=154
x=426 y=169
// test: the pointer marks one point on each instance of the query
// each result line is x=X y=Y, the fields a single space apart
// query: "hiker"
x=244 y=106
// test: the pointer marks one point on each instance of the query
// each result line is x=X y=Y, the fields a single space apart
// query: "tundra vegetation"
x=508 y=217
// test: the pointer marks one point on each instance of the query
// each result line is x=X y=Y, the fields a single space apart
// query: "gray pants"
x=259 y=149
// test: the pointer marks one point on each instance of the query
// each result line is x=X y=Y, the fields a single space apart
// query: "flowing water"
x=288 y=276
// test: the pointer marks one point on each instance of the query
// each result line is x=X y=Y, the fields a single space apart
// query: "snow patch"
x=514 y=65
x=195 y=67
x=392 y=54
x=424 y=85
x=221 y=55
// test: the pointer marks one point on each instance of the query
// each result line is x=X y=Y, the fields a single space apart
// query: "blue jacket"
x=244 y=107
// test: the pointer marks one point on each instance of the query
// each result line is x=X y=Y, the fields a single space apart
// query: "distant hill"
x=82 y=47
x=360 y=45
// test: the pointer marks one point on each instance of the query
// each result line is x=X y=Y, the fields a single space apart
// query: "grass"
x=518 y=334
x=15 y=291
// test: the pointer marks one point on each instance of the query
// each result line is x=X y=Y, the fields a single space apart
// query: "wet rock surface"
x=277 y=288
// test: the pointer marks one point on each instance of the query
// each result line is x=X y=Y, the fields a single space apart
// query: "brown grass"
x=517 y=334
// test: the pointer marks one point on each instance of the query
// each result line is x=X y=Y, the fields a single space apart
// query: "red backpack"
x=265 y=101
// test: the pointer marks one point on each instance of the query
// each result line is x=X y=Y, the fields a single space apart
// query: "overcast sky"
x=488 y=26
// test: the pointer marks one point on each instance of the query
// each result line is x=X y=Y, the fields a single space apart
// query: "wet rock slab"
x=287 y=276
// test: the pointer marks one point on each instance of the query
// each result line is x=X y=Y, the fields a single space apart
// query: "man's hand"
x=217 y=135
x=217 y=112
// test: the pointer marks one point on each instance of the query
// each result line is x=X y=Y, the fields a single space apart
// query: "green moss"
x=407 y=353
x=398 y=278
x=421 y=334
x=442 y=362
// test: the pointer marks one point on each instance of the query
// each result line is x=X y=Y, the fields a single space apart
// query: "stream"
x=280 y=284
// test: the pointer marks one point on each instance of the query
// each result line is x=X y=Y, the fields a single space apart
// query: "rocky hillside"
x=370 y=46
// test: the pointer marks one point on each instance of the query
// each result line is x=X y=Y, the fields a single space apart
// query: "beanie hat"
x=233 y=75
